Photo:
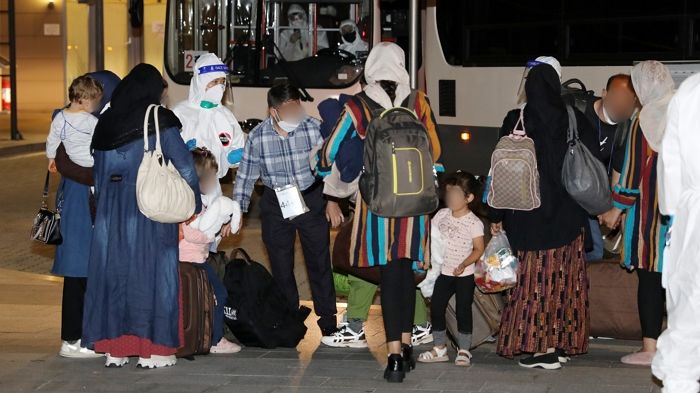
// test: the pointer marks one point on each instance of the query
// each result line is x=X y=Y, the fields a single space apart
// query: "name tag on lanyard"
x=291 y=201
x=289 y=197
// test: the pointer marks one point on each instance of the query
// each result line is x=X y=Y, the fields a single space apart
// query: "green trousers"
x=361 y=294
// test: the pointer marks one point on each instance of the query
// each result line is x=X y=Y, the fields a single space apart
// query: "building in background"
x=56 y=43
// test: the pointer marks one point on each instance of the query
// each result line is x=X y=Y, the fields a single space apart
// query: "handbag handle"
x=243 y=252
x=158 y=150
x=45 y=194
x=572 y=133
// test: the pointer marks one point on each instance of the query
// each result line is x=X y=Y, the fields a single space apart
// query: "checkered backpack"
x=514 y=182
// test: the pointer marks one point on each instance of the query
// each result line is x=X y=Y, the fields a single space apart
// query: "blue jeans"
x=597 y=253
x=221 y=296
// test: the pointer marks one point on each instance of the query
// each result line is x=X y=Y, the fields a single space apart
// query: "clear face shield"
x=520 y=96
x=228 y=93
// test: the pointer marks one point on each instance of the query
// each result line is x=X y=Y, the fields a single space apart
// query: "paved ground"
x=30 y=322
x=29 y=331
x=33 y=125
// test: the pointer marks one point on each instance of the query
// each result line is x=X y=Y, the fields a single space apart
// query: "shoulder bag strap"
x=45 y=194
x=572 y=134
x=145 y=127
x=159 y=151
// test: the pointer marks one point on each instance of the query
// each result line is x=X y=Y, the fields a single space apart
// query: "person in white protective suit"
x=677 y=360
x=296 y=42
x=206 y=122
x=352 y=40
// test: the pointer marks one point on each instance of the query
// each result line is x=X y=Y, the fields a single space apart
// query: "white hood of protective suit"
x=358 y=45
x=214 y=128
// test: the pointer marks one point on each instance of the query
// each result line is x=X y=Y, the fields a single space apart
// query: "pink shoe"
x=639 y=358
x=225 y=346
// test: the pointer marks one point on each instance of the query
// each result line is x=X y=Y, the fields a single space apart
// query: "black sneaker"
x=549 y=361
x=409 y=362
x=563 y=358
x=395 y=371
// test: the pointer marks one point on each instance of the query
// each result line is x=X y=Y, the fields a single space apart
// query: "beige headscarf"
x=654 y=86
x=387 y=62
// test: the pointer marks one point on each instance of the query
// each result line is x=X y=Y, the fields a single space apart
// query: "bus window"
x=296 y=37
x=594 y=32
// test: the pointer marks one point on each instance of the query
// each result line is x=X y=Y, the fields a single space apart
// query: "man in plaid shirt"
x=277 y=152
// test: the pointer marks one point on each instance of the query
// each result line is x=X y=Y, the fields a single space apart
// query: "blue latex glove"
x=235 y=156
x=191 y=144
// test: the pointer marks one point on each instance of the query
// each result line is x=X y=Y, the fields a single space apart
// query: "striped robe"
x=645 y=227
x=378 y=240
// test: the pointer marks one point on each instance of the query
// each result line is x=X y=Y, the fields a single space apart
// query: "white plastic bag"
x=497 y=270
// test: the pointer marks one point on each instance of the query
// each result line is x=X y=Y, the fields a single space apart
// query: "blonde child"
x=73 y=127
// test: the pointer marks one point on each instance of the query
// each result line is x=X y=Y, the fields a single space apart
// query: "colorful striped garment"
x=378 y=240
x=645 y=227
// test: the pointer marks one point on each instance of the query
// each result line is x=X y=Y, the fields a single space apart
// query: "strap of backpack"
x=243 y=252
x=520 y=131
x=374 y=108
x=412 y=100
x=572 y=133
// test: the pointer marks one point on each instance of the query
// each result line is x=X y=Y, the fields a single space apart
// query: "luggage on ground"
x=398 y=177
x=486 y=315
x=198 y=307
x=612 y=298
x=514 y=181
x=257 y=311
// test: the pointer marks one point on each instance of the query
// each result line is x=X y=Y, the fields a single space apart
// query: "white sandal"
x=436 y=355
x=464 y=358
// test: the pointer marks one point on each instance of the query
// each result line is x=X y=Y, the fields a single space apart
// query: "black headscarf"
x=123 y=121
x=547 y=122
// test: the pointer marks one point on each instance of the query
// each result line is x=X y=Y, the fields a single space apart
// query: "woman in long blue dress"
x=132 y=301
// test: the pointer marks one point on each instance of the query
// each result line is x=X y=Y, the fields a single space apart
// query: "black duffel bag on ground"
x=257 y=311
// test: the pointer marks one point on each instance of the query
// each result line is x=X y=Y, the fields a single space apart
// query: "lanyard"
x=612 y=144
x=284 y=142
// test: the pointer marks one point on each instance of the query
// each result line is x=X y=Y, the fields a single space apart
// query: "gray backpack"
x=398 y=179
x=584 y=177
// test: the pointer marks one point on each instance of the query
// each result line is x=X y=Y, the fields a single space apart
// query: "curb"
x=11 y=151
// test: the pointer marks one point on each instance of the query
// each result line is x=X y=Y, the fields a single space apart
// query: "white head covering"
x=214 y=128
x=207 y=68
x=387 y=62
x=297 y=9
x=358 y=45
x=654 y=86
x=551 y=61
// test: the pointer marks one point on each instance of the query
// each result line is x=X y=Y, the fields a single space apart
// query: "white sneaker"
x=225 y=347
x=157 y=361
x=422 y=334
x=346 y=338
x=114 y=362
x=75 y=351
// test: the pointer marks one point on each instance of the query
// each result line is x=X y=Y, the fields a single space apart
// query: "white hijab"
x=654 y=86
x=387 y=62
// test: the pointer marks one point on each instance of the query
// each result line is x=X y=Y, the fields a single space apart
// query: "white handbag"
x=161 y=193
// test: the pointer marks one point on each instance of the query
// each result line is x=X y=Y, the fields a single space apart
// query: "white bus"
x=472 y=52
